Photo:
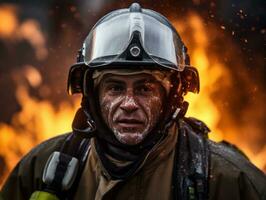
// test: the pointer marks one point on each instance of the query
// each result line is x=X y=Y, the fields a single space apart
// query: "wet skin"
x=131 y=105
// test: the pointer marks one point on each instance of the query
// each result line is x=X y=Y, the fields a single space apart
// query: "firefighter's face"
x=131 y=105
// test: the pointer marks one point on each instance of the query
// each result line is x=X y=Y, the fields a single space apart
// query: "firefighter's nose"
x=129 y=104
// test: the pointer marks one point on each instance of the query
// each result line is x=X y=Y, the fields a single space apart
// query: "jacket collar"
x=116 y=168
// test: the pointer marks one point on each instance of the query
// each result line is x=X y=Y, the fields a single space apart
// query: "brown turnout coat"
x=232 y=176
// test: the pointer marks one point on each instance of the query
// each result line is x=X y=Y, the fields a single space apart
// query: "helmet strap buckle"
x=83 y=124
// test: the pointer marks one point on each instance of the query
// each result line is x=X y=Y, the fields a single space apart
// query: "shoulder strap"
x=191 y=166
x=80 y=150
x=64 y=168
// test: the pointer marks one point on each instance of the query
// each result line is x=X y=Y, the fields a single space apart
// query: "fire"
x=201 y=105
x=36 y=122
x=39 y=119
x=9 y=21
x=213 y=75
x=28 y=30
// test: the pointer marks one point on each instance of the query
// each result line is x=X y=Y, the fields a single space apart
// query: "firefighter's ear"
x=190 y=79
x=75 y=79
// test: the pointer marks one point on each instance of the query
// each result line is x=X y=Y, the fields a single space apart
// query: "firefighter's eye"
x=143 y=89
x=115 y=88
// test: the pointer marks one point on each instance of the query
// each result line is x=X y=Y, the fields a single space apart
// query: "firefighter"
x=130 y=138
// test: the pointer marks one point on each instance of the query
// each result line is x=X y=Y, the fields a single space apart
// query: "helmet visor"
x=107 y=41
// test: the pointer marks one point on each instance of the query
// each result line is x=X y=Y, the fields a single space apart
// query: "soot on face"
x=130 y=108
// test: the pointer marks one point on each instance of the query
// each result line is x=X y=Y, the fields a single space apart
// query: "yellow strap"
x=41 y=195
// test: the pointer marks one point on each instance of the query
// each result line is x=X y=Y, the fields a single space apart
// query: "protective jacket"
x=231 y=175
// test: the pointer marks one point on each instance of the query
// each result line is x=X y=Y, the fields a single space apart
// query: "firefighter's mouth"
x=129 y=122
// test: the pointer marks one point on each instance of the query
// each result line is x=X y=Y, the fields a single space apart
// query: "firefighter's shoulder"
x=233 y=175
x=26 y=177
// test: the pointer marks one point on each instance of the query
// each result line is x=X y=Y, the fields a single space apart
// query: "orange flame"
x=36 y=122
x=213 y=73
x=201 y=105
x=28 y=30
x=8 y=20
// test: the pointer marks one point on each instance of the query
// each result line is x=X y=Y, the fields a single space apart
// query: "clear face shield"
x=133 y=37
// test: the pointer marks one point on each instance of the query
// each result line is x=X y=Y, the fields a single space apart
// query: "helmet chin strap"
x=178 y=113
x=83 y=124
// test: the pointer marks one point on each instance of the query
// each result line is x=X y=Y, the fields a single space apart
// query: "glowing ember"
x=33 y=76
x=8 y=20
